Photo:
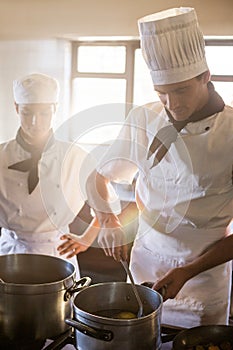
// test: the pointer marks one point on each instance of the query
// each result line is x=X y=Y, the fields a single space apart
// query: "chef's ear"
x=206 y=76
x=17 y=108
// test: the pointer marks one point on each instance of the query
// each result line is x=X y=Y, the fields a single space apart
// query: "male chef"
x=40 y=187
x=182 y=150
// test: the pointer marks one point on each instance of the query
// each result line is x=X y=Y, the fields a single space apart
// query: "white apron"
x=187 y=203
x=45 y=243
x=203 y=299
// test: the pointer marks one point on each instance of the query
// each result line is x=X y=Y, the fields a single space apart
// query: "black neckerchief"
x=30 y=165
x=168 y=134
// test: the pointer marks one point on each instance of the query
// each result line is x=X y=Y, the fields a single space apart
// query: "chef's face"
x=36 y=119
x=184 y=98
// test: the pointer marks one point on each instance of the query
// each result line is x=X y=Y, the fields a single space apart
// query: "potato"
x=125 y=315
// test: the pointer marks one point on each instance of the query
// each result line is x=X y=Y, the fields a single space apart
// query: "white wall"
x=18 y=58
x=33 y=32
x=58 y=18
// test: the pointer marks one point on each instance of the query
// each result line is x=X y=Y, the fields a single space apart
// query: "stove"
x=67 y=342
x=165 y=346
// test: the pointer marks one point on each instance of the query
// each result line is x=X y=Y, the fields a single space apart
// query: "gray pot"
x=35 y=296
x=93 y=330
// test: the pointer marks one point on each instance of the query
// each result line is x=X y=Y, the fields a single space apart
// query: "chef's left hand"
x=172 y=282
x=111 y=240
x=72 y=246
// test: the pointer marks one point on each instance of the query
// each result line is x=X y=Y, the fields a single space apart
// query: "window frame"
x=128 y=75
x=220 y=42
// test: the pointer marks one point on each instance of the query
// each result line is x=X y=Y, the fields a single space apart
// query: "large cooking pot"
x=96 y=328
x=35 y=297
x=203 y=335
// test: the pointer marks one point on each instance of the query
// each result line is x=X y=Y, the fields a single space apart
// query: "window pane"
x=220 y=59
x=100 y=135
x=143 y=85
x=89 y=92
x=98 y=109
x=225 y=89
x=101 y=59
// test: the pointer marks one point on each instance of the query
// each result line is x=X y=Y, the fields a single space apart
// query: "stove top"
x=166 y=346
x=68 y=343
x=49 y=345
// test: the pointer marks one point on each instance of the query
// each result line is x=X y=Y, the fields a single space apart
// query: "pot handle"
x=90 y=331
x=77 y=286
x=161 y=291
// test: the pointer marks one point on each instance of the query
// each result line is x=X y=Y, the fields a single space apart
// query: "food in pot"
x=125 y=315
x=117 y=314
x=226 y=345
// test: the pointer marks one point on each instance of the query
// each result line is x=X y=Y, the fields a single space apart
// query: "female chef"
x=182 y=149
x=40 y=187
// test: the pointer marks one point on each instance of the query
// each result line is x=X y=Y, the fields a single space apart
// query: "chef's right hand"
x=172 y=282
x=111 y=238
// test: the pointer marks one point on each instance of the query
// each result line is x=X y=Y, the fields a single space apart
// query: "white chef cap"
x=172 y=45
x=36 y=88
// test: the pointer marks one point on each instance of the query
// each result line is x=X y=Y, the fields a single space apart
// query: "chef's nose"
x=33 y=119
x=171 y=101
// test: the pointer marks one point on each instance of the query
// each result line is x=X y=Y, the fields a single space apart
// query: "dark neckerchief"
x=30 y=165
x=168 y=134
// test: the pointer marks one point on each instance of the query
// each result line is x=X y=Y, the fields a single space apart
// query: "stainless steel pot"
x=93 y=330
x=35 y=297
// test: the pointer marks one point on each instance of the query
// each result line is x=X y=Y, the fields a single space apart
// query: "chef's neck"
x=37 y=141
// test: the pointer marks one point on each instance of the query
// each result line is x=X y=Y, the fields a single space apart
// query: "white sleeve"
x=121 y=161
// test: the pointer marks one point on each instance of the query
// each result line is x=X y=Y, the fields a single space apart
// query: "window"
x=114 y=74
x=102 y=75
x=219 y=55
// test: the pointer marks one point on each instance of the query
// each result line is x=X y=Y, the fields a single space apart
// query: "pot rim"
x=43 y=287
x=108 y=320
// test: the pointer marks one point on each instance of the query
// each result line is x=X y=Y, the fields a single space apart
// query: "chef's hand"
x=72 y=246
x=111 y=238
x=172 y=282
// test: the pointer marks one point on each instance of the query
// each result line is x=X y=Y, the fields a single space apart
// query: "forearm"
x=111 y=236
x=90 y=234
x=219 y=253
x=98 y=198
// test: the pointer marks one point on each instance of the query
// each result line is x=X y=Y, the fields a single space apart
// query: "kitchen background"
x=92 y=48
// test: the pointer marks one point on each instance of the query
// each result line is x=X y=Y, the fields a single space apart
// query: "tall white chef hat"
x=172 y=45
x=36 y=88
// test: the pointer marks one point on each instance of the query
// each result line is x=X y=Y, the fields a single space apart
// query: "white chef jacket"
x=186 y=203
x=34 y=223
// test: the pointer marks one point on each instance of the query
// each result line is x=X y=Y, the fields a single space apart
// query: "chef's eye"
x=160 y=94
x=26 y=113
x=45 y=114
x=181 y=91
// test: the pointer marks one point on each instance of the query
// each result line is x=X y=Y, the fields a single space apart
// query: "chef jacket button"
x=207 y=128
x=20 y=184
x=58 y=186
x=54 y=213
